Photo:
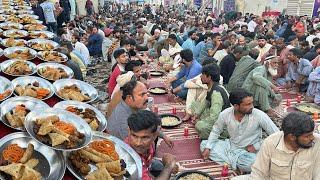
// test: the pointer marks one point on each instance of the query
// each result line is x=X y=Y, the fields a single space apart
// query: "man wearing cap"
x=106 y=43
x=259 y=83
x=262 y=46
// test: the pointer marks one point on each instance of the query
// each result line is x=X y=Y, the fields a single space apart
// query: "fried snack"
x=18 y=68
x=32 y=90
x=12 y=169
x=105 y=147
x=57 y=139
x=34 y=27
x=80 y=162
x=15 y=34
x=27 y=154
x=5 y=94
x=29 y=173
x=11 y=42
x=41 y=46
x=21 y=55
x=11 y=26
x=17 y=116
x=52 y=131
x=2 y=18
x=40 y=35
x=114 y=168
x=99 y=174
x=13 y=18
x=73 y=93
x=87 y=114
x=94 y=155
x=13 y=153
x=31 y=163
x=52 y=56
x=28 y=20
x=53 y=73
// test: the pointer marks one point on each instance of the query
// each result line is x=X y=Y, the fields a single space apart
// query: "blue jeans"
x=183 y=92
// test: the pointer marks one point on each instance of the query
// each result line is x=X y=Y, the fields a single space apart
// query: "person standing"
x=49 y=15
x=89 y=7
x=36 y=8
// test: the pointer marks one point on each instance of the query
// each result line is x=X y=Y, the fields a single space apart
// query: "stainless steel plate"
x=10 y=25
x=65 y=116
x=36 y=34
x=132 y=159
x=9 y=11
x=43 y=66
x=12 y=33
x=24 y=12
x=5 y=85
x=41 y=56
x=22 y=7
x=8 y=63
x=42 y=41
x=28 y=15
x=101 y=118
x=51 y=165
x=29 y=102
x=83 y=86
x=25 y=80
x=10 y=50
x=4 y=42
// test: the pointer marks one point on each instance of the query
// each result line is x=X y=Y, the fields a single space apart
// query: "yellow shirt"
x=80 y=63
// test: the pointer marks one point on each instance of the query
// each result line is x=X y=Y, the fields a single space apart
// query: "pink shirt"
x=113 y=79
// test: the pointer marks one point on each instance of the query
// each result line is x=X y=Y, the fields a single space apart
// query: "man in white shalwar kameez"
x=244 y=124
x=73 y=9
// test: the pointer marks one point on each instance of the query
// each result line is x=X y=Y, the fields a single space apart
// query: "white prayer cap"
x=157 y=31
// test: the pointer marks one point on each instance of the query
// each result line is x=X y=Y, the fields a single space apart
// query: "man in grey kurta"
x=244 y=125
x=259 y=83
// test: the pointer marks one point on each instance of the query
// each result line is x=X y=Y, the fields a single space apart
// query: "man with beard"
x=292 y=153
x=153 y=41
x=190 y=43
x=143 y=130
x=262 y=46
x=211 y=47
x=245 y=65
x=282 y=52
x=244 y=124
x=259 y=83
x=205 y=113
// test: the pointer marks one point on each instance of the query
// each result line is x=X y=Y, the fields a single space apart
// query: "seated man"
x=245 y=65
x=122 y=58
x=259 y=83
x=244 y=124
x=313 y=92
x=134 y=97
x=298 y=71
x=190 y=70
x=206 y=112
x=143 y=131
x=292 y=153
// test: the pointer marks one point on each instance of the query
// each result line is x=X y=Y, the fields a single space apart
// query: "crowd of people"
x=227 y=68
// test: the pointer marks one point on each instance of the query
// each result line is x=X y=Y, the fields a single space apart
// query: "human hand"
x=251 y=149
x=168 y=141
x=206 y=153
x=276 y=89
x=169 y=160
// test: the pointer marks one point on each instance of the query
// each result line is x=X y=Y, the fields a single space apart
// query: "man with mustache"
x=244 y=124
x=259 y=83
x=262 y=46
x=134 y=98
x=292 y=153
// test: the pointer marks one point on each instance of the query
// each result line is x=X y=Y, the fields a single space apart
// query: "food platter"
x=54 y=71
x=183 y=174
x=309 y=108
x=18 y=67
x=2 y=17
x=35 y=27
x=52 y=56
x=20 y=85
x=158 y=90
x=51 y=165
x=75 y=104
x=172 y=122
x=24 y=12
x=10 y=25
x=85 y=90
x=13 y=33
x=42 y=44
x=11 y=42
x=41 y=34
x=10 y=104
x=156 y=73
x=22 y=8
x=130 y=157
x=21 y=53
x=6 y=88
x=67 y=117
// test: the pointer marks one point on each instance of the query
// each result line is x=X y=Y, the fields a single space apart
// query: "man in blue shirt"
x=190 y=43
x=49 y=15
x=95 y=42
x=190 y=70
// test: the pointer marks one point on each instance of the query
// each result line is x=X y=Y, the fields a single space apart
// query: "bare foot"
x=186 y=117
